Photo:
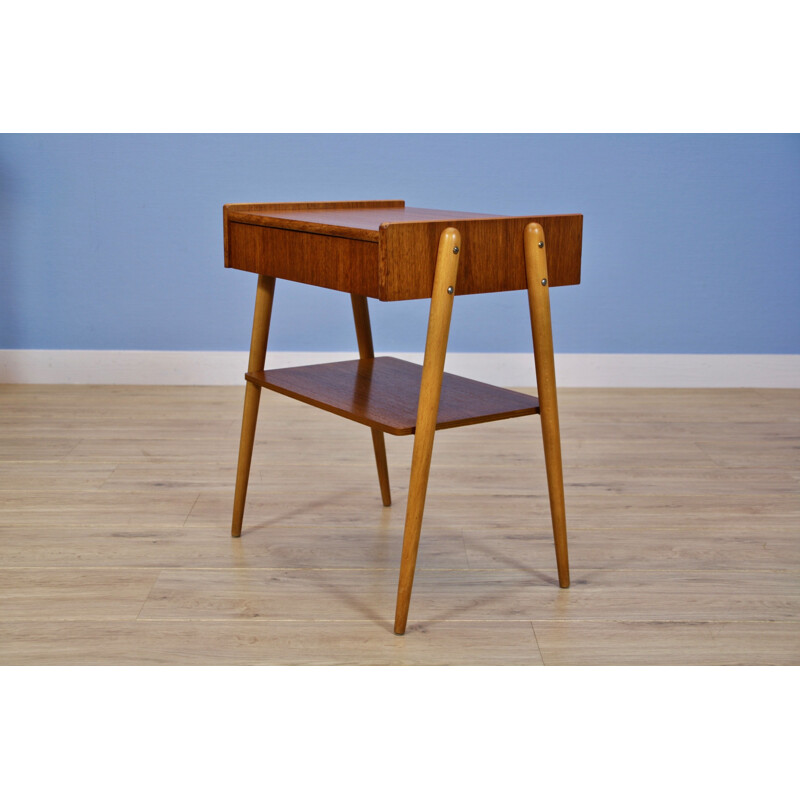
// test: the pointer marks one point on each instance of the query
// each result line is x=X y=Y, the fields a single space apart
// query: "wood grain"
x=258 y=213
x=332 y=262
x=80 y=594
x=362 y=221
x=385 y=250
x=383 y=393
x=493 y=255
x=248 y=642
x=669 y=643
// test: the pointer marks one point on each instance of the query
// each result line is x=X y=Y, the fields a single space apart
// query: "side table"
x=382 y=249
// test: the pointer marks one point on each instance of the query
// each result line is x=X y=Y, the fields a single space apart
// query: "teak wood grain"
x=384 y=392
x=385 y=250
x=348 y=265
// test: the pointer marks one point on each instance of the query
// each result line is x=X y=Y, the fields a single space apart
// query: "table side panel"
x=492 y=255
x=347 y=265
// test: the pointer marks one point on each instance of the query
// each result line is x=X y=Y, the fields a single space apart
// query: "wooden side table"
x=382 y=249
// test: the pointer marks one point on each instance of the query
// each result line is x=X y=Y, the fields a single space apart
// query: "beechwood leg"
x=366 y=350
x=265 y=291
x=444 y=284
x=539 y=301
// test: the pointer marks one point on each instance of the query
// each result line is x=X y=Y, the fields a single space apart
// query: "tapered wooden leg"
x=539 y=301
x=366 y=350
x=444 y=285
x=258 y=351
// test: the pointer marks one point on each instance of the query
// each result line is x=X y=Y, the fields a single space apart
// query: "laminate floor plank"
x=774 y=453
x=647 y=547
x=176 y=547
x=516 y=546
x=35 y=448
x=73 y=594
x=188 y=642
x=27 y=476
x=98 y=427
x=669 y=643
x=451 y=477
x=153 y=450
x=494 y=508
x=139 y=477
x=458 y=595
x=40 y=506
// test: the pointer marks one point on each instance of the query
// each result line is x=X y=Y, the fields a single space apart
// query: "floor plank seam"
x=148 y=595
x=28 y=621
x=458 y=620
x=108 y=478
x=430 y=570
x=538 y=646
x=189 y=514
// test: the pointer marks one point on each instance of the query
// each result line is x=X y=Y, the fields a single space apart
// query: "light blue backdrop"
x=691 y=242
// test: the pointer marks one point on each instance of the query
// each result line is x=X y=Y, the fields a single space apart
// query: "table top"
x=386 y=250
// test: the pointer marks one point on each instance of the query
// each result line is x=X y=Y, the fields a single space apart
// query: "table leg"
x=258 y=351
x=539 y=301
x=366 y=350
x=444 y=284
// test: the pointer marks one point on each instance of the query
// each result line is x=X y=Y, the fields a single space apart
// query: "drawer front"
x=347 y=265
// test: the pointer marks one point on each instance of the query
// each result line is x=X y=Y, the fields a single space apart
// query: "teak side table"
x=382 y=249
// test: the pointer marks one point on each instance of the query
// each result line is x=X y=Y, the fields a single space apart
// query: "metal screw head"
x=449 y=290
x=544 y=281
x=455 y=251
x=541 y=244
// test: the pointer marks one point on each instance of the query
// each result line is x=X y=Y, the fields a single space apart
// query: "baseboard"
x=154 y=367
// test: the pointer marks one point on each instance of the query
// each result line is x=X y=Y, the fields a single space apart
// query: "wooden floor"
x=683 y=509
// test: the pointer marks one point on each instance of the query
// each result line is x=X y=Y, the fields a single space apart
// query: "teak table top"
x=383 y=249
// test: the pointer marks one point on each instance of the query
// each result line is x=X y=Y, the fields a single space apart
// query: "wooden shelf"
x=383 y=393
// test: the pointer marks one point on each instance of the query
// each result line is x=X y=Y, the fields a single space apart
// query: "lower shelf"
x=383 y=393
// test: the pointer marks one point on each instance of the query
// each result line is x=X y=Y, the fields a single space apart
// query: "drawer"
x=348 y=265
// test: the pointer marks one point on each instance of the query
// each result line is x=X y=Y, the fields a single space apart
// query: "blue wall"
x=691 y=242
